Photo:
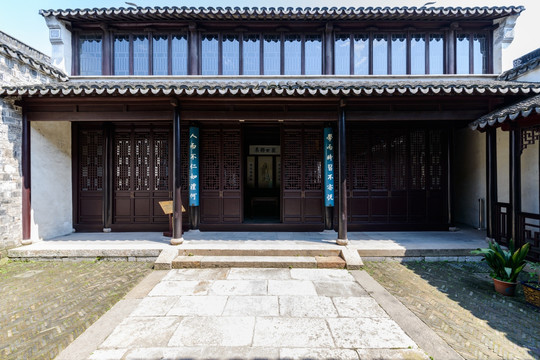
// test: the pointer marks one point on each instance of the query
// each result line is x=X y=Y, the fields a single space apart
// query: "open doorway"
x=262 y=161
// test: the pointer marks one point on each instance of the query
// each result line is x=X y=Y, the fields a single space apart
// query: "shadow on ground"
x=457 y=300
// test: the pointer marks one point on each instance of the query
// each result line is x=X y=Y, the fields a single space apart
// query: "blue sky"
x=20 y=18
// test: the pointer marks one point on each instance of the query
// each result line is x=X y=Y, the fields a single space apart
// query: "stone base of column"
x=342 y=242
x=177 y=241
x=26 y=242
x=107 y=230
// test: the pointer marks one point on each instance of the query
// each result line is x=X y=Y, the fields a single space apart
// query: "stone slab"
x=258 y=261
x=164 y=353
x=392 y=354
x=320 y=353
x=306 y=306
x=292 y=332
x=186 y=262
x=259 y=274
x=178 y=288
x=252 y=306
x=239 y=287
x=291 y=287
x=363 y=306
x=196 y=274
x=330 y=262
x=109 y=354
x=352 y=258
x=213 y=331
x=342 y=288
x=368 y=333
x=321 y=275
x=198 y=306
x=136 y=332
x=154 y=306
x=165 y=259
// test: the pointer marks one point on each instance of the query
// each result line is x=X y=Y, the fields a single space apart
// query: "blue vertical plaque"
x=193 y=166
x=328 y=167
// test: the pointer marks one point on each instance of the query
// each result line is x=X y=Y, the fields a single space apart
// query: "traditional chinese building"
x=262 y=119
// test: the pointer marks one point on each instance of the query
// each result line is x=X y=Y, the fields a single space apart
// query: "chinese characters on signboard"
x=328 y=167
x=264 y=150
x=193 y=166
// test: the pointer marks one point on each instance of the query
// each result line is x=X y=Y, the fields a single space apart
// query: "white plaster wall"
x=532 y=76
x=469 y=175
x=530 y=179
x=51 y=179
x=503 y=166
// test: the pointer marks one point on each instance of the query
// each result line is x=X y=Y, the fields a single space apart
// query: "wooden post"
x=107 y=177
x=328 y=49
x=515 y=182
x=193 y=50
x=26 y=184
x=450 y=167
x=177 y=180
x=342 y=148
x=491 y=181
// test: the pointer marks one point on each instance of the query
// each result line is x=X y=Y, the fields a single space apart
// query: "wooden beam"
x=461 y=115
x=193 y=115
x=101 y=116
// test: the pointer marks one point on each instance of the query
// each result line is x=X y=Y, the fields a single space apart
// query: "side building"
x=19 y=65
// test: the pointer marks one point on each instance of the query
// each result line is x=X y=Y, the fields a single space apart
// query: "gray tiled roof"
x=519 y=70
x=524 y=108
x=289 y=13
x=29 y=56
x=200 y=86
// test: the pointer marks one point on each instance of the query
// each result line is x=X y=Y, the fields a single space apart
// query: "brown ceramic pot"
x=505 y=288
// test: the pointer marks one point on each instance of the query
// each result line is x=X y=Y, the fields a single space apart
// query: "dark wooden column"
x=491 y=180
x=107 y=176
x=451 y=48
x=450 y=174
x=329 y=49
x=515 y=181
x=106 y=62
x=177 y=179
x=342 y=153
x=26 y=184
x=193 y=50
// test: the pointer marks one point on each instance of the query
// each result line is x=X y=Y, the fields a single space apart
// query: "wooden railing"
x=529 y=231
x=501 y=231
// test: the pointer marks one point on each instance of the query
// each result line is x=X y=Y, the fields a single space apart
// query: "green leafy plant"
x=505 y=264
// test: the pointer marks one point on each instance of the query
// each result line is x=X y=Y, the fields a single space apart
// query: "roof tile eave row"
x=290 y=88
x=280 y=12
x=523 y=108
x=44 y=68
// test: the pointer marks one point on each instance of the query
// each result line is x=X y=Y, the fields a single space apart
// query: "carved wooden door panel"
x=141 y=176
x=90 y=162
x=302 y=175
x=221 y=175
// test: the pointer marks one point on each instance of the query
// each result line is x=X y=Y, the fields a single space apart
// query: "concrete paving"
x=247 y=313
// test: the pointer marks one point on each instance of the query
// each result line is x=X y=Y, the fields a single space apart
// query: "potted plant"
x=505 y=265
x=531 y=288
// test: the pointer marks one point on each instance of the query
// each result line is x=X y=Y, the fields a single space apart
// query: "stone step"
x=198 y=261
x=257 y=250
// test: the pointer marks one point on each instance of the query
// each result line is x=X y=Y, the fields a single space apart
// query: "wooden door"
x=220 y=175
x=90 y=147
x=396 y=178
x=142 y=176
x=302 y=161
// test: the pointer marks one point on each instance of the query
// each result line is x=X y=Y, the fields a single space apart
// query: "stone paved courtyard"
x=251 y=313
x=457 y=301
x=44 y=306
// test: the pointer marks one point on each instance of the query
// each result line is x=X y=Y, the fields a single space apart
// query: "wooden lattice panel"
x=292 y=159
x=359 y=159
x=231 y=159
x=435 y=159
x=398 y=161
x=161 y=161
x=91 y=160
x=418 y=160
x=142 y=162
x=122 y=161
x=210 y=159
x=313 y=154
x=379 y=161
